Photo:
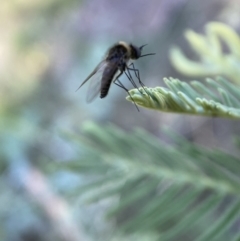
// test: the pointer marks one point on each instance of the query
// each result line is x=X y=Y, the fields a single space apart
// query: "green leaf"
x=171 y=192
x=212 y=99
x=213 y=59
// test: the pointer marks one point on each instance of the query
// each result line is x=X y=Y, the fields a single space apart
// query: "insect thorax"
x=118 y=52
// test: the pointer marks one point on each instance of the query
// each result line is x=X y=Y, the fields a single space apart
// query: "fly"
x=112 y=67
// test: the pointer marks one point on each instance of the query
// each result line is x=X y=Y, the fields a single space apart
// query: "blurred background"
x=47 y=48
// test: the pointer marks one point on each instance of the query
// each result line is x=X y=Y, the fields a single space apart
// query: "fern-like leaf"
x=213 y=60
x=175 y=193
x=216 y=98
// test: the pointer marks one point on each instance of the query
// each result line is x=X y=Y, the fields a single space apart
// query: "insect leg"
x=137 y=74
x=130 y=78
x=120 y=84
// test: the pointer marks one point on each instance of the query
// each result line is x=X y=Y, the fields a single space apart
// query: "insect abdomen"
x=107 y=77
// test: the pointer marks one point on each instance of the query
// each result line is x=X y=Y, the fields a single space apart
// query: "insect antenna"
x=120 y=84
x=141 y=47
x=147 y=55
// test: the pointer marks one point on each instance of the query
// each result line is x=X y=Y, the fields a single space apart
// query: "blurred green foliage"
x=176 y=192
x=218 y=53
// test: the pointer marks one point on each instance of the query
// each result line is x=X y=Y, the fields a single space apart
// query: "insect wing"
x=95 y=82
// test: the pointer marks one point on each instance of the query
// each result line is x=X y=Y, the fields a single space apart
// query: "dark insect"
x=112 y=67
